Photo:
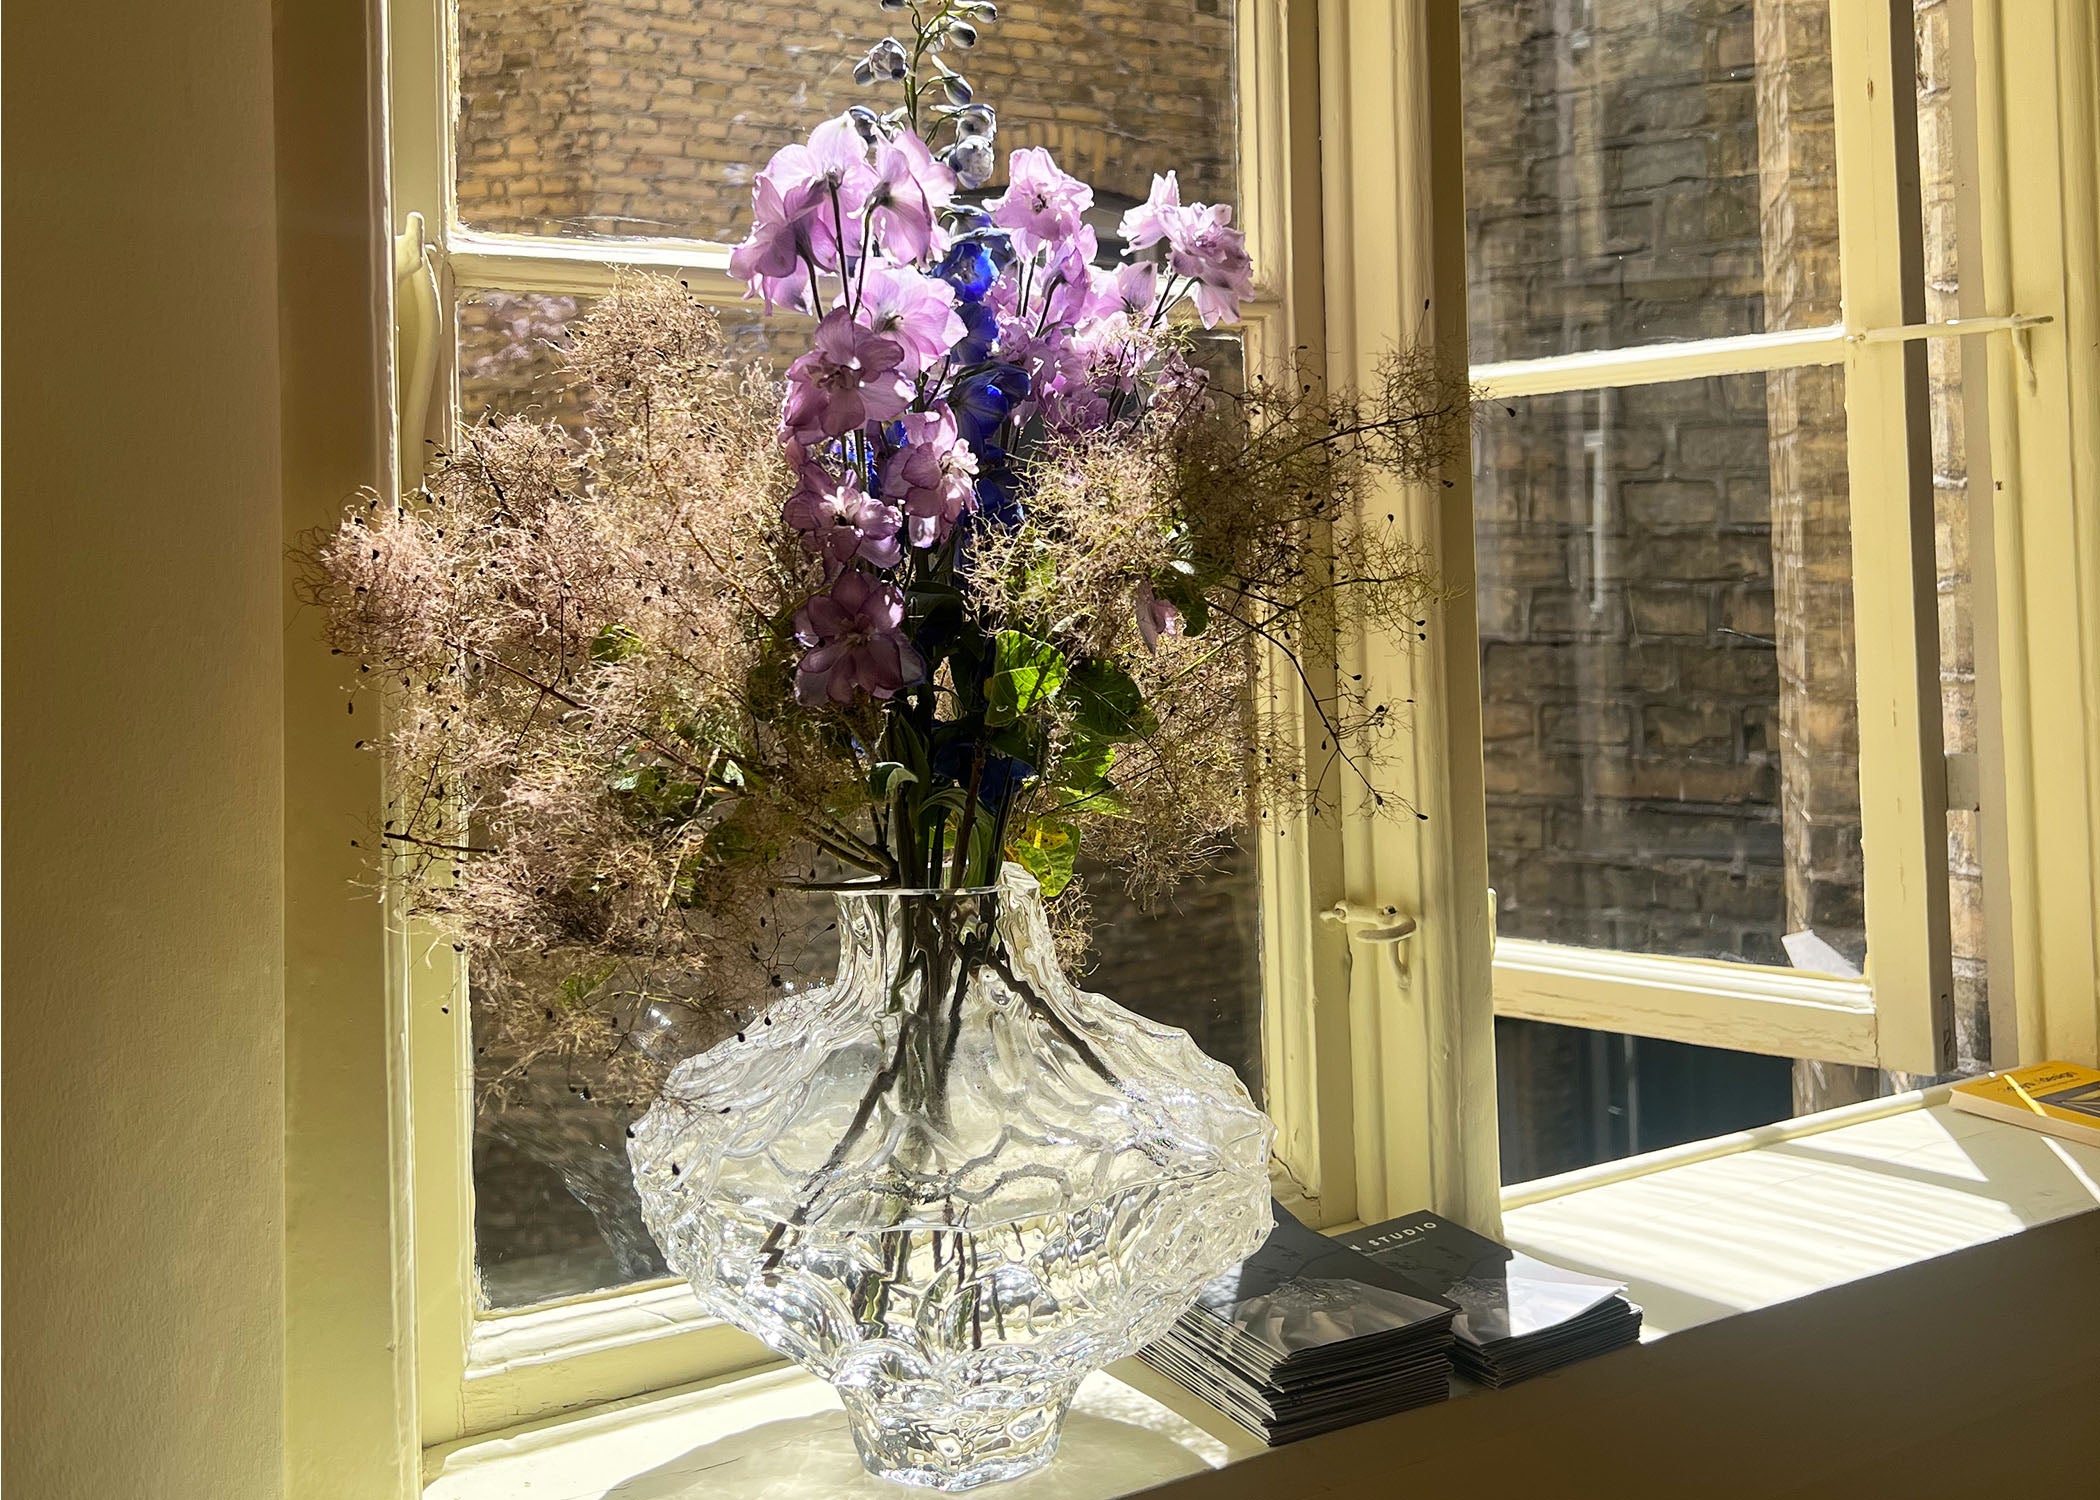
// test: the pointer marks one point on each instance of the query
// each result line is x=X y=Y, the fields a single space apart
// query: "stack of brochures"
x=1308 y=1335
x=1517 y=1316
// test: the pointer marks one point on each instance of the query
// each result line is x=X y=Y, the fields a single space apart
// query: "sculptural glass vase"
x=950 y=1183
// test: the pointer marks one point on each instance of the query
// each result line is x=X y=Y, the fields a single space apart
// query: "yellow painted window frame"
x=1329 y=1038
x=1900 y=1014
x=1378 y=1057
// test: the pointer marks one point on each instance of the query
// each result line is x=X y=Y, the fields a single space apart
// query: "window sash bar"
x=1746 y=1007
x=1655 y=364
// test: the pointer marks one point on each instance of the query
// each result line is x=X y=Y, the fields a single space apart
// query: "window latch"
x=1381 y=925
x=416 y=341
x=2019 y=325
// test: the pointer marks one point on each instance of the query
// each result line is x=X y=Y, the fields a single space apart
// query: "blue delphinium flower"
x=983 y=398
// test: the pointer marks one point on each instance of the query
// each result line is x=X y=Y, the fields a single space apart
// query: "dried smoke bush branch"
x=651 y=687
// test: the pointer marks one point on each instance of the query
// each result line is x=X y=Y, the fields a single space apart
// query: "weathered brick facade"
x=1629 y=578
x=649 y=116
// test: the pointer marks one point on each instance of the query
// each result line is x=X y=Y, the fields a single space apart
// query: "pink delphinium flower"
x=855 y=632
x=1146 y=224
x=1206 y=247
x=851 y=377
x=803 y=201
x=1137 y=289
x=1198 y=242
x=840 y=521
x=1155 y=617
x=934 y=476
x=774 y=258
x=1070 y=287
x=908 y=190
x=1041 y=205
x=917 y=311
x=1057 y=375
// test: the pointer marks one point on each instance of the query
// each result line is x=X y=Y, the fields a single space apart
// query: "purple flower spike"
x=918 y=311
x=1041 y=206
x=857 y=642
x=840 y=521
x=852 y=377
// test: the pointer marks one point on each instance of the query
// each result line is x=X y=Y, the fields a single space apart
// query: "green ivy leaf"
x=614 y=643
x=1102 y=801
x=1083 y=762
x=1048 y=850
x=1026 y=675
x=1108 y=704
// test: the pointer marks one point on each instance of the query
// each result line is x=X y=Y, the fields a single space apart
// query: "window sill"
x=1695 y=1240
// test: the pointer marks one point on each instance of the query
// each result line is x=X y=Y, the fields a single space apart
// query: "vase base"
x=953 y=1450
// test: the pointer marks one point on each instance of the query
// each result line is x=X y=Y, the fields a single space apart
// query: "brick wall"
x=1630 y=671
x=649 y=116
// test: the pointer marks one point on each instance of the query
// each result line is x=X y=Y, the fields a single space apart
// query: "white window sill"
x=1695 y=1240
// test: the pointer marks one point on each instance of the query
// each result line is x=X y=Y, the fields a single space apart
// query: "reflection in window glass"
x=649 y=117
x=1639 y=172
x=1667 y=671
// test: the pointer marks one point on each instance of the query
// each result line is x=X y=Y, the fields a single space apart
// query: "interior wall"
x=143 y=1101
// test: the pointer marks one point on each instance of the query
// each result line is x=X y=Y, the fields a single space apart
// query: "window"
x=1726 y=570
x=1720 y=506
x=541 y=149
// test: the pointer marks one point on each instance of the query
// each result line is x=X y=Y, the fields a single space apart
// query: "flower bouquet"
x=991 y=580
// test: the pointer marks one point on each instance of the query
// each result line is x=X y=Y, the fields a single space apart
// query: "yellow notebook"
x=2059 y=1098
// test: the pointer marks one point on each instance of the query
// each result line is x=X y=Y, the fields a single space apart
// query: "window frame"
x=481 y=1372
x=1899 y=1014
x=1378 y=1055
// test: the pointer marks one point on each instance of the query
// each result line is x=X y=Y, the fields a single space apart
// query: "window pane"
x=1639 y=172
x=1572 y=1098
x=649 y=117
x=1667 y=670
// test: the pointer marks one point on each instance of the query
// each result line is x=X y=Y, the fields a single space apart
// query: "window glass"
x=649 y=117
x=1639 y=172
x=1667 y=670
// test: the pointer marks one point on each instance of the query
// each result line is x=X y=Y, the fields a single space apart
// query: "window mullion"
x=1422 y=1083
x=1903 y=811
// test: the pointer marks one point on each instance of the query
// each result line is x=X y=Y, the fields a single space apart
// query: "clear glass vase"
x=950 y=1183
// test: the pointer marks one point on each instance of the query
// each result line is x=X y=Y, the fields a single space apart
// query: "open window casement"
x=1881 y=338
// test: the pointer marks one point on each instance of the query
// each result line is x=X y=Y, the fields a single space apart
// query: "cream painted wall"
x=143 y=1117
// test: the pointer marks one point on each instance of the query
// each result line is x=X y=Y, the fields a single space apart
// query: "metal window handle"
x=2019 y=325
x=416 y=341
x=1382 y=925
